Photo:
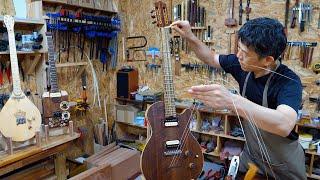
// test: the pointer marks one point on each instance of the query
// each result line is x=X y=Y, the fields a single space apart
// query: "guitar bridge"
x=171 y=121
x=173 y=152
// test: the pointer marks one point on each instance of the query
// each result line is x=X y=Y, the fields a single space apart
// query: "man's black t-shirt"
x=282 y=90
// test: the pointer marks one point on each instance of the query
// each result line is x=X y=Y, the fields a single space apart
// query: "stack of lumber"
x=112 y=162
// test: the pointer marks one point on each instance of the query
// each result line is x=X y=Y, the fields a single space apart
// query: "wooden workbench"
x=55 y=146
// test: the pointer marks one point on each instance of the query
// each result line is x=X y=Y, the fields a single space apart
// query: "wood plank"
x=95 y=173
x=60 y=166
x=75 y=6
x=8 y=159
x=33 y=63
x=32 y=154
x=62 y=65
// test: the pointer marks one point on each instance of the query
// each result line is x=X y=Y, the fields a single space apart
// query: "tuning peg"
x=154 y=22
x=153 y=16
x=152 y=11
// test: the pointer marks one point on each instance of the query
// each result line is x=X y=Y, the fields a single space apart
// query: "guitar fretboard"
x=52 y=66
x=169 y=100
x=14 y=63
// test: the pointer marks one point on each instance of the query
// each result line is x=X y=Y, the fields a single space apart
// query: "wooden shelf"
x=23 y=52
x=205 y=109
x=220 y=135
x=313 y=176
x=37 y=22
x=61 y=65
x=213 y=153
x=308 y=125
x=75 y=6
x=130 y=124
x=312 y=152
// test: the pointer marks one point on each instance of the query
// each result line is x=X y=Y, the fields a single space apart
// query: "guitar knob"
x=192 y=165
x=187 y=153
x=153 y=16
x=154 y=22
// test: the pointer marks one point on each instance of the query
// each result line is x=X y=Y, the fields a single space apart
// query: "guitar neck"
x=14 y=64
x=52 y=66
x=168 y=77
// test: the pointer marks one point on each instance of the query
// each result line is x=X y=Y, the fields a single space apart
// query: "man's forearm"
x=267 y=119
x=202 y=51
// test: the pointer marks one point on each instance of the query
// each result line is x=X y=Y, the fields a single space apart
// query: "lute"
x=19 y=118
x=171 y=152
x=55 y=102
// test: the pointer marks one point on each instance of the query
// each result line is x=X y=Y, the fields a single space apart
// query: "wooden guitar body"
x=155 y=161
x=19 y=119
x=54 y=110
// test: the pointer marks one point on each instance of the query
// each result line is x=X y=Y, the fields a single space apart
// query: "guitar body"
x=154 y=163
x=20 y=119
x=53 y=111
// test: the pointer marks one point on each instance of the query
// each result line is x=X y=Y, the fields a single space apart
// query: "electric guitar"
x=19 y=118
x=171 y=152
x=55 y=102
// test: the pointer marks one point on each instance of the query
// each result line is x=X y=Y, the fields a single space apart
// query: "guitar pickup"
x=172 y=144
x=170 y=122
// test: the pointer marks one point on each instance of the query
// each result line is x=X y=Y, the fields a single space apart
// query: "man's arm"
x=200 y=49
x=278 y=121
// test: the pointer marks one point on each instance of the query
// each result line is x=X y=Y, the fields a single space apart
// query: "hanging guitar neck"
x=55 y=102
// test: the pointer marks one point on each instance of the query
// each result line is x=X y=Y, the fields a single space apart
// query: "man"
x=270 y=96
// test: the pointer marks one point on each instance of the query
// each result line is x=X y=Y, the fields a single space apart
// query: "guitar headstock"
x=9 y=22
x=161 y=14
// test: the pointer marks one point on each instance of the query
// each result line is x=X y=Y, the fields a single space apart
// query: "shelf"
x=37 y=22
x=75 y=6
x=308 y=125
x=61 y=65
x=23 y=52
x=312 y=152
x=219 y=135
x=206 y=109
x=213 y=153
x=133 y=125
x=313 y=176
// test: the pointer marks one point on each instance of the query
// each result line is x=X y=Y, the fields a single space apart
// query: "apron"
x=287 y=157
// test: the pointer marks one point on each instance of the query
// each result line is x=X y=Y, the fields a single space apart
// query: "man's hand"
x=184 y=29
x=215 y=96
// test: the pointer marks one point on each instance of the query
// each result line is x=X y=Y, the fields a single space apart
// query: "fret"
x=14 y=64
x=52 y=66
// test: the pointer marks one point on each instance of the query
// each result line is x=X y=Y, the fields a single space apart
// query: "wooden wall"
x=137 y=21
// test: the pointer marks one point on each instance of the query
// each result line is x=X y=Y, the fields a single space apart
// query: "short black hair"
x=265 y=35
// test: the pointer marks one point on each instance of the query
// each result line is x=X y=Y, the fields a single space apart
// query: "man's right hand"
x=184 y=29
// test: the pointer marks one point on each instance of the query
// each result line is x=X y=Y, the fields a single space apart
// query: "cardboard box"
x=126 y=113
